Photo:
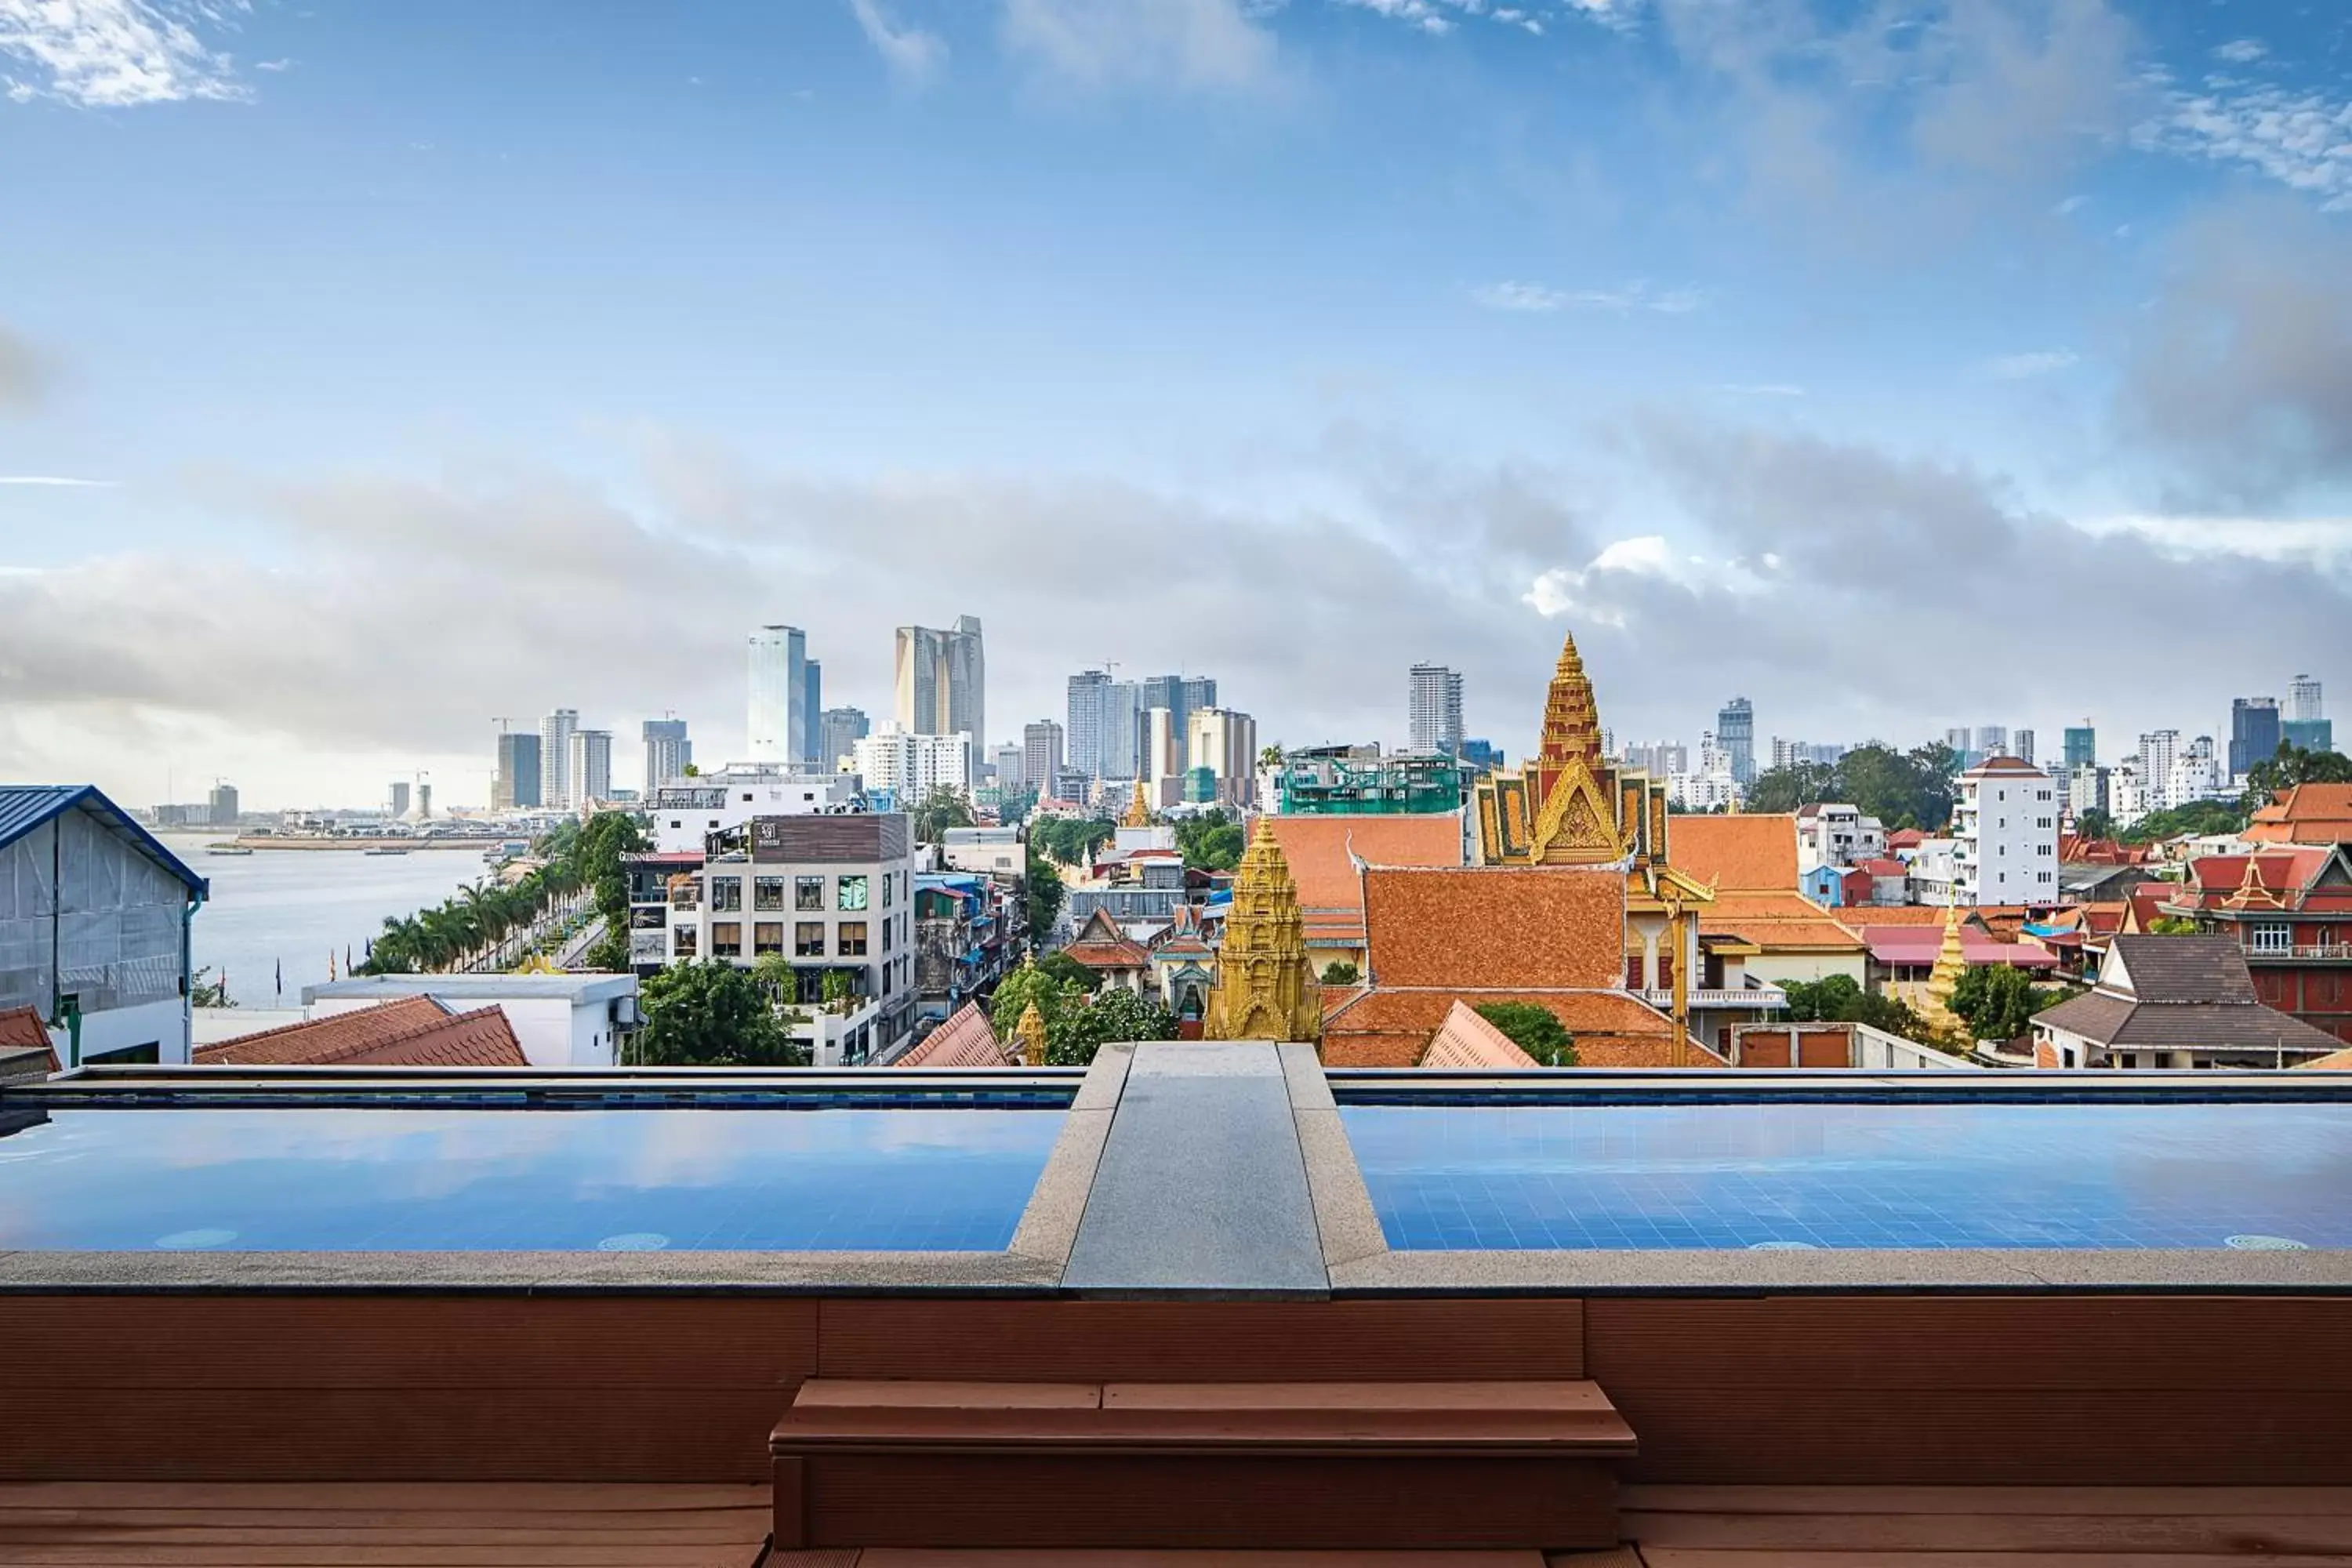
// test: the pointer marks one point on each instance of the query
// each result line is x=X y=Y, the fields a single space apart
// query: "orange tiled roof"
x=2306 y=814
x=1466 y=1040
x=1317 y=848
x=2335 y=1061
x=1393 y=1028
x=1100 y=945
x=964 y=1040
x=415 y=1031
x=21 y=1029
x=1496 y=926
x=1778 y=922
x=1739 y=851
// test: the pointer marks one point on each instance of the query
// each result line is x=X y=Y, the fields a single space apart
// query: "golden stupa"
x=1264 y=990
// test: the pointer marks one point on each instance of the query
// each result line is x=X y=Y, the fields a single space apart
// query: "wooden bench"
x=1299 y=1465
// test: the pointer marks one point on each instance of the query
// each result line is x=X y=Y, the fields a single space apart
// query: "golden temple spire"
x=1030 y=1034
x=1139 y=815
x=1951 y=963
x=1571 y=726
x=1264 y=990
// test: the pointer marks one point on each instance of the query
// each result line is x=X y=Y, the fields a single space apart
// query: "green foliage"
x=2172 y=925
x=1339 y=972
x=1074 y=1036
x=2293 y=765
x=713 y=1014
x=1997 y=1001
x=1063 y=967
x=836 y=993
x=610 y=952
x=1028 y=984
x=1072 y=840
x=2197 y=817
x=1534 y=1030
x=1212 y=841
x=2095 y=824
x=203 y=993
x=1041 y=894
x=477 y=920
x=943 y=808
x=1840 y=999
x=1902 y=789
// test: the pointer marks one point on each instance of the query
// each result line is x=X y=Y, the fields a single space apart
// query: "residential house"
x=963 y=941
x=412 y=1031
x=95 y=917
x=557 y=1020
x=2005 y=832
x=1116 y=958
x=2174 y=1002
x=1761 y=931
x=1890 y=881
x=2289 y=911
x=1838 y=886
x=1836 y=835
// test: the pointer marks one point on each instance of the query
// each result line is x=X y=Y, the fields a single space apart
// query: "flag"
x=281 y=979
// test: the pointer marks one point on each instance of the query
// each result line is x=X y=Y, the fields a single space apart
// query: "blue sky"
x=1894 y=365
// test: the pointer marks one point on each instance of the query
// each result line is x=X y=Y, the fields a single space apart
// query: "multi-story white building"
x=2128 y=791
x=590 y=774
x=779 y=723
x=1224 y=742
x=687 y=813
x=1165 y=756
x=1713 y=785
x=1041 y=752
x=555 y=759
x=908 y=766
x=1012 y=767
x=2197 y=774
x=1833 y=834
x=2087 y=790
x=667 y=754
x=2156 y=751
x=1434 y=711
x=1934 y=872
x=2005 y=829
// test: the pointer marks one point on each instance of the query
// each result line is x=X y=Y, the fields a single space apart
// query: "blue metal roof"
x=24 y=807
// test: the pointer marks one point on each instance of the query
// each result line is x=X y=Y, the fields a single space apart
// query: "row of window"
x=850 y=894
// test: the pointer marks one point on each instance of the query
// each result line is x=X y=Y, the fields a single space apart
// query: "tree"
x=1902 y=789
x=2293 y=765
x=203 y=993
x=1339 y=972
x=1041 y=894
x=1027 y=985
x=1064 y=968
x=2172 y=925
x=1212 y=841
x=1998 y=1001
x=1840 y=999
x=2094 y=824
x=713 y=1014
x=1074 y=1036
x=1535 y=1030
x=1072 y=840
x=2197 y=817
x=943 y=808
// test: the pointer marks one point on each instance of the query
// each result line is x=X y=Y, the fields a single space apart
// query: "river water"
x=294 y=907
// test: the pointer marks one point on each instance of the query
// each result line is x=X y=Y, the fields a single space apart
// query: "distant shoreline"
x=274 y=841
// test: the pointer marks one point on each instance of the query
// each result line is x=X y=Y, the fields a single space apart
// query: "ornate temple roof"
x=1496 y=926
x=1571 y=726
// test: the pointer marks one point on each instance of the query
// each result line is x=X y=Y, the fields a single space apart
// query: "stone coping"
x=1355 y=1260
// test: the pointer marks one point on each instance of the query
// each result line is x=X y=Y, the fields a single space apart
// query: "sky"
x=374 y=375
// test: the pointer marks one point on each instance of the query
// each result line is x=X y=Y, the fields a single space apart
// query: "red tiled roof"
x=1388 y=1027
x=1776 y=921
x=1737 y=852
x=1920 y=944
x=1100 y=945
x=21 y=1029
x=2281 y=878
x=2338 y=1061
x=1318 y=847
x=1905 y=838
x=1496 y=926
x=1466 y=1040
x=2306 y=814
x=1883 y=865
x=963 y=1040
x=414 y=1031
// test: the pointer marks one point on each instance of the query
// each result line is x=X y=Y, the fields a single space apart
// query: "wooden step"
x=1279 y=1466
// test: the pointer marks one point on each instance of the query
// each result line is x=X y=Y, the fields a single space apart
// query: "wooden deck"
x=52 y=1524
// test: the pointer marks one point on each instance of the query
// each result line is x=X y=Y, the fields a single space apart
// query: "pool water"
x=1732 y=1175
x=335 y=1180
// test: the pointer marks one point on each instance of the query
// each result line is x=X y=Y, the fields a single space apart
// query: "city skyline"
x=1814 y=384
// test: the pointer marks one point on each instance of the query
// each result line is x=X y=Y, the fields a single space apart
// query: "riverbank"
x=288 y=841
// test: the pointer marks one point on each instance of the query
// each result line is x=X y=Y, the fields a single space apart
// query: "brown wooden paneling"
x=1235 y=1503
x=411 y=1341
x=1201 y=1341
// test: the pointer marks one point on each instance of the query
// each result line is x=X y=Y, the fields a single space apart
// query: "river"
x=294 y=907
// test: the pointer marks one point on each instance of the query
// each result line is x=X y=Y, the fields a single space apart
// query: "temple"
x=1570 y=806
x=1264 y=990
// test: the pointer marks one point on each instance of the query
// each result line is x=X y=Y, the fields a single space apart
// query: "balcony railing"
x=1757 y=997
x=2326 y=953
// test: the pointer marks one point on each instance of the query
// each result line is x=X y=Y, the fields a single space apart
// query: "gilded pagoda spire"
x=1264 y=990
x=1951 y=963
x=1029 y=1035
x=1571 y=726
x=1138 y=813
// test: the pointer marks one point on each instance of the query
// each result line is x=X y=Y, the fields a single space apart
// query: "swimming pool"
x=1906 y=1171
x=346 y=1178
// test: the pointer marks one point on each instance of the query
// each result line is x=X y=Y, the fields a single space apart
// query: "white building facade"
x=778 y=723
x=908 y=766
x=555 y=791
x=591 y=773
x=1433 y=709
x=2005 y=830
x=1837 y=835
x=686 y=814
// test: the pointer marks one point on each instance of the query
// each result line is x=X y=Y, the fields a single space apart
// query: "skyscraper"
x=1089 y=690
x=2303 y=700
x=838 y=731
x=555 y=759
x=1226 y=744
x=590 y=774
x=811 y=753
x=2021 y=747
x=399 y=798
x=1434 y=708
x=777 y=722
x=667 y=752
x=941 y=684
x=2255 y=733
x=224 y=810
x=1992 y=740
x=1735 y=737
x=2082 y=746
x=1041 y=752
x=516 y=785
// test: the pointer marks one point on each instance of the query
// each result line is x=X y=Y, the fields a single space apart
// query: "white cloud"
x=1439 y=17
x=2302 y=139
x=57 y=481
x=2241 y=51
x=2024 y=367
x=914 y=56
x=1215 y=45
x=1542 y=299
x=112 y=54
x=1761 y=388
x=2324 y=543
x=1588 y=592
x=273 y=65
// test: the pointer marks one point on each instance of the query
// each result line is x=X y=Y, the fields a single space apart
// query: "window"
x=808 y=938
x=727 y=939
x=674 y=822
x=885 y=931
x=886 y=880
x=850 y=941
x=727 y=892
x=768 y=894
x=2272 y=936
x=767 y=937
x=886 y=980
x=808 y=894
x=851 y=891
x=747 y=794
x=683 y=939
